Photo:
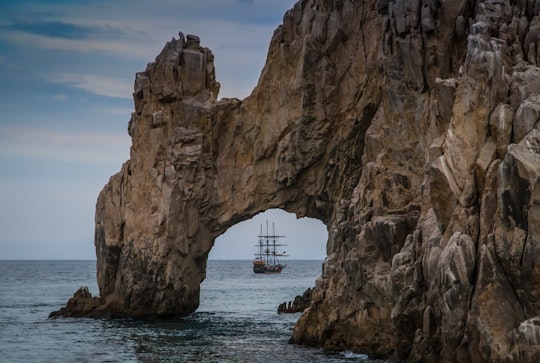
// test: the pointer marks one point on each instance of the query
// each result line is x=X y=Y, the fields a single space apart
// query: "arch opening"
x=306 y=237
x=232 y=287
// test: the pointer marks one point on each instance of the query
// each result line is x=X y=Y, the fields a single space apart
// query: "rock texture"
x=82 y=304
x=409 y=127
x=298 y=305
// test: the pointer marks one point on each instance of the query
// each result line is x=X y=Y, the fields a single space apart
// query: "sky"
x=66 y=79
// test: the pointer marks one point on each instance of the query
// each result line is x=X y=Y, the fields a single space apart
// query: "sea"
x=237 y=320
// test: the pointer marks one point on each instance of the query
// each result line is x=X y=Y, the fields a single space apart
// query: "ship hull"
x=262 y=268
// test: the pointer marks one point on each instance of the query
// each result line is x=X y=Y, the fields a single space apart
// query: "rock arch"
x=198 y=165
x=410 y=128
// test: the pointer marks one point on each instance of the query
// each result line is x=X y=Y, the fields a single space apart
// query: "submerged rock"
x=410 y=128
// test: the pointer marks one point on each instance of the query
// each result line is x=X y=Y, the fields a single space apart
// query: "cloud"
x=100 y=85
x=49 y=28
x=101 y=45
x=240 y=53
x=237 y=32
x=82 y=147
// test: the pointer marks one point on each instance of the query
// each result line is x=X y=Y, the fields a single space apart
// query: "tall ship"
x=267 y=257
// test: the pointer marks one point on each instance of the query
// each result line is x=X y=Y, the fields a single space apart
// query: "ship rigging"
x=267 y=257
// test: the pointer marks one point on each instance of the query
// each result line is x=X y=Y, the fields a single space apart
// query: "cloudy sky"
x=66 y=77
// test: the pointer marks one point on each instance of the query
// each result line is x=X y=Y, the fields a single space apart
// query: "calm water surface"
x=236 y=321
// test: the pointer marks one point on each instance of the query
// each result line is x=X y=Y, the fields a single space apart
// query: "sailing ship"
x=267 y=257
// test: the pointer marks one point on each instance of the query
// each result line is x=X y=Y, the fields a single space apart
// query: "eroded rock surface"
x=82 y=304
x=298 y=305
x=409 y=127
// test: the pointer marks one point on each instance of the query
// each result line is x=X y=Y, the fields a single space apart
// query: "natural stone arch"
x=407 y=132
x=199 y=166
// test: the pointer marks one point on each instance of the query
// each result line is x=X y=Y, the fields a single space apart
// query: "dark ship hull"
x=260 y=267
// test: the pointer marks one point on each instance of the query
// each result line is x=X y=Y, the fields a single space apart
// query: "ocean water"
x=237 y=320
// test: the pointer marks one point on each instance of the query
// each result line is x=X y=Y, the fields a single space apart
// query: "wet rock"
x=298 y=305
x=82 y=304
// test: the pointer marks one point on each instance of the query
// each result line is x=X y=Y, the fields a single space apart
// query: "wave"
x=350 y=355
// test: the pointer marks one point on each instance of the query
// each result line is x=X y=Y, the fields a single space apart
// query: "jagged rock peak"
x=182 y=69
x=411 y=128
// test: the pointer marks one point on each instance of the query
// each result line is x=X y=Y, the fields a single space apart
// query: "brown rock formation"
x=298 y=305
x=82 y=304
x=409 y=127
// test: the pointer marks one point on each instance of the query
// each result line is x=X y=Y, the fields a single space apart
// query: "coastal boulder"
x=82 y=304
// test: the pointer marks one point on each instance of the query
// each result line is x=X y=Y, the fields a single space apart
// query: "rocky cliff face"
x=411 y=128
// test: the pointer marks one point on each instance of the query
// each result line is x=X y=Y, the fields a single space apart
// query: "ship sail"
x=267 y=257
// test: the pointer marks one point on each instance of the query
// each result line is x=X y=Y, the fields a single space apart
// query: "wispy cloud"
x=237 y=33
x=49 y=28
x=100 y=85
x=96 y=148
x=107 y=46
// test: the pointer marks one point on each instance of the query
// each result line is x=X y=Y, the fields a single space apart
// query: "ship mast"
x=274 y=242
x=260 y=245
